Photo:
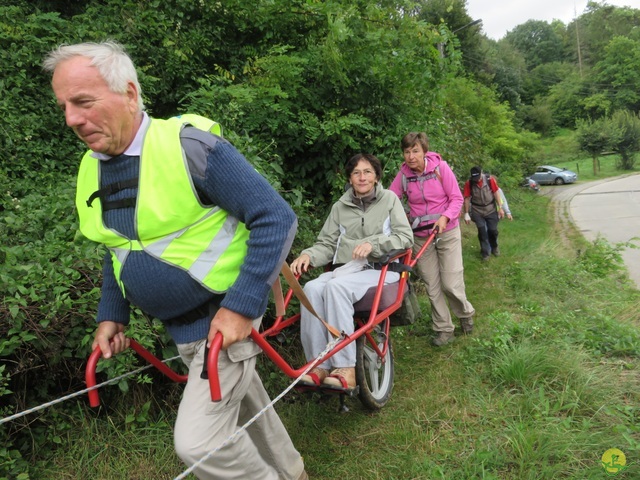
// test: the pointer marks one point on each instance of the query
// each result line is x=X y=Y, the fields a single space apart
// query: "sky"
x=500 y=16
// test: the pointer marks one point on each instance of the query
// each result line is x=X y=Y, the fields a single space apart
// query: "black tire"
x=373 y=376
x=558 y=181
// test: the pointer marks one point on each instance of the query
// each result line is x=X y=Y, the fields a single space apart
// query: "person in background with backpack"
x=435 y=200
x=195 y=237
x=505 y=204
x=483 y=206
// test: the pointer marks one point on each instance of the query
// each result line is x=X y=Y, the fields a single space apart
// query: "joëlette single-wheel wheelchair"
x=374 y=353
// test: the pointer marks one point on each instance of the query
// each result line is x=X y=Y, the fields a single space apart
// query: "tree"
x=597 y=27
x=505 y=70
x=618 y=73
x=541 y=78
x=565 y=100
x=597 y=105
x=538 y=42
x=594 y=137
x=453 y=14
x=537 y=117
x=626 y=137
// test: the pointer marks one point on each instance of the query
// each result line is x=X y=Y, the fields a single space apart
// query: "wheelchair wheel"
x=373 y=376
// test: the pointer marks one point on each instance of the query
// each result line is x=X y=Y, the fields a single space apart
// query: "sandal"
x=315 y=377
x=342 y=378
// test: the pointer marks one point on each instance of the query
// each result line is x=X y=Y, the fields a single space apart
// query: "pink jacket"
x=435 y=191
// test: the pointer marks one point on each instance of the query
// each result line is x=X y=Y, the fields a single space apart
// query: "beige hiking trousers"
x=263 y=451
x=441 y=269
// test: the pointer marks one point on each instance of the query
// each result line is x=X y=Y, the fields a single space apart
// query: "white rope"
x=81 y=392
x=189 y=470
x=183 y=475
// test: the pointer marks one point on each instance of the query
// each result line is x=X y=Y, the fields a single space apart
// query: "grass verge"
x=546 y=384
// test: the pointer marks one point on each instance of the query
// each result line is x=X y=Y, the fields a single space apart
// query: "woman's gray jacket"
x=382 y=223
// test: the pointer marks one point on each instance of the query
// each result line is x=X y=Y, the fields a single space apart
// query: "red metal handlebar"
x=90 y=376
x=425 y=246
x=90 y=370
x=212 y=367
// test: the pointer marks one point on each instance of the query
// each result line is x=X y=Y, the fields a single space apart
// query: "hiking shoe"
x=314 y=377
x=495 y=252
x=485 y=258
x=467 y=325
x=344 y=377
x=442 y=338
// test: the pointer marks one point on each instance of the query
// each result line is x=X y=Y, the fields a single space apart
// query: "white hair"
x=113 y=63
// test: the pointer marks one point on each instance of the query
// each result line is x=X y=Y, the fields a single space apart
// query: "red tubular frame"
x=364 y=328
x=92 y=363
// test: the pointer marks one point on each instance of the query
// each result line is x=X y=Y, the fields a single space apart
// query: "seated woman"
x=366 y=223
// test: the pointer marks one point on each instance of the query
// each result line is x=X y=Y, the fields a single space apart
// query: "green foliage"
x=453 y=15
x=595 y=138
x=565 y=101
x=600 y=258
x=359 y=102
x=626 y=137
x=537 y=41
x=619 y=70
x=600 y=24
x=538 y=117
x=541 y=78
x=506 y=71
x=32 y=137
x=581 y=70
x=487 y=122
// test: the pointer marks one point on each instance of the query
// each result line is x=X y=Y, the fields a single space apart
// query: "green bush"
x=626 y=137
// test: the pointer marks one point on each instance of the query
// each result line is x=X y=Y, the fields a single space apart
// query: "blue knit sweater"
x=223 y=177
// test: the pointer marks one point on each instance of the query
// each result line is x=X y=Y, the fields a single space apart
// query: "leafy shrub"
x=600 y=258
x=626 y=137
x=33 y=138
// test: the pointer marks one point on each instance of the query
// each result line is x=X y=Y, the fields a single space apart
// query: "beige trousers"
x=263 y=451
x=441 y=269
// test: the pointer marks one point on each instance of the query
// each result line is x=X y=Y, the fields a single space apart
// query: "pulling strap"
x=299 y=293
x=278 y=297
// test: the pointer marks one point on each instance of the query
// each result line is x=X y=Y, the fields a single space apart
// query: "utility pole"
x=575 y=14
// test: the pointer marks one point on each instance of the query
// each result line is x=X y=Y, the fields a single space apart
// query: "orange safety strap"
x=299 y=293
x=278 y=297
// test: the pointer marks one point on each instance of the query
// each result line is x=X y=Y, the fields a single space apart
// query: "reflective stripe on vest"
x=204 y=241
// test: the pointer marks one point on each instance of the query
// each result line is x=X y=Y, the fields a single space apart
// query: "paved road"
x=609 y=208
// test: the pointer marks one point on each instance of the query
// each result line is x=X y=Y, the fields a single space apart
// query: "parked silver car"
x=548 y=175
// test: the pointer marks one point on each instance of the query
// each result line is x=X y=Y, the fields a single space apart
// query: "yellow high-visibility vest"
x=171 y=223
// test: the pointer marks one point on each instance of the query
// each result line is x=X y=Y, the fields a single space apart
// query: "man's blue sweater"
x=222 y=177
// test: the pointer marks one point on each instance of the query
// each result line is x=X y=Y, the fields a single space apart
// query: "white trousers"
x=333 y=299
x=263 y=451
